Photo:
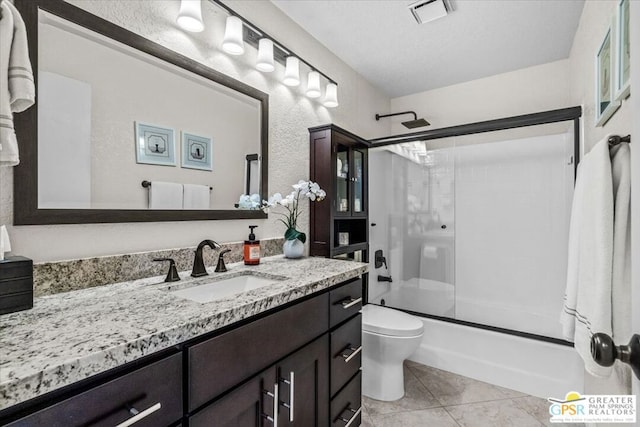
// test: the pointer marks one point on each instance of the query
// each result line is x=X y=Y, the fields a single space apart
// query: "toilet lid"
x=387 y=321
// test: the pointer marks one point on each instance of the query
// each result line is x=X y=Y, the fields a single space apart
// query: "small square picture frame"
x=605 y=105
x=197 y=152
x=155 y=145
x=623 y=51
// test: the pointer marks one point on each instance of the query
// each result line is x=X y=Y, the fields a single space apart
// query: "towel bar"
x=147 y=184
x=617 y=139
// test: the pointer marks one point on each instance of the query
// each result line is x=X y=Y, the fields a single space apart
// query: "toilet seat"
x=390 y=322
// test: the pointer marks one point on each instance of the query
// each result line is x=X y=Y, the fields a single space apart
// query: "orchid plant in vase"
x=294 y=239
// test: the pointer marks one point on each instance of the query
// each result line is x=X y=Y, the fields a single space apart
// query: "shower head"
x=410 y=124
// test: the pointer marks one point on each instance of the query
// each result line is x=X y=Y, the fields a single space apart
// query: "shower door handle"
x=605 y=352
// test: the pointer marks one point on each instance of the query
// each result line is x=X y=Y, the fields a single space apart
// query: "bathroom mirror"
x=115 y=113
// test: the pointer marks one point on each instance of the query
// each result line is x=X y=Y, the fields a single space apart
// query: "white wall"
x=291 y=113
x=530 y=90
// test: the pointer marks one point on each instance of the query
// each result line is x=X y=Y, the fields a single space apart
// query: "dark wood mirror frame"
x=25 y=185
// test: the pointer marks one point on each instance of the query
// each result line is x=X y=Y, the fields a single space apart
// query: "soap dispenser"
x=252 y=248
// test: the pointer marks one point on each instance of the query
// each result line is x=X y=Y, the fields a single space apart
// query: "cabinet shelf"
x=339 y=250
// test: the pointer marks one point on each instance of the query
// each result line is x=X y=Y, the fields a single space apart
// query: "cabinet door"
x=304 y=386
x=359 y=182
x=342 y=179
x=251 y=405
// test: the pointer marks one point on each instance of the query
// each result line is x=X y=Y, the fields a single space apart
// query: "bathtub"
x=527 y=365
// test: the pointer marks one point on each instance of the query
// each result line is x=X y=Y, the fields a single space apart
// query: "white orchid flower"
x=275 y=199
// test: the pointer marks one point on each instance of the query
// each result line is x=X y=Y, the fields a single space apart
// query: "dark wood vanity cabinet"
x=295 y=390
x=152 y=395
x=338 y=163
x=298 y=365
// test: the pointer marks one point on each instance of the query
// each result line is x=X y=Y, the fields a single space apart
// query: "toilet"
x=388 y=337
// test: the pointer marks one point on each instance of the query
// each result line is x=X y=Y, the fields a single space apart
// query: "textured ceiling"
x=381 y=40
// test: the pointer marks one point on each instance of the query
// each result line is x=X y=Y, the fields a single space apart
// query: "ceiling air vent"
x=429 y=10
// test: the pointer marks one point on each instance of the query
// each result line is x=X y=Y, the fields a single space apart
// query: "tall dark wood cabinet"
x=339 y=162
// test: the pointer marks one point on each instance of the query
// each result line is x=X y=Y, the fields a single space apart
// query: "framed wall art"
x=197 y=152
x=623 y=52
x=155 y=145
x=606 y=105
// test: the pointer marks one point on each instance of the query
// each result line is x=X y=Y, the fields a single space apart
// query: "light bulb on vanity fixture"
x=292 y=72
x=265 y=56
x=331 y=96
x=190 y=16
x=313 y=84
x=233 y=42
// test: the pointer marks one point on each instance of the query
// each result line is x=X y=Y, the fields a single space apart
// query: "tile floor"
x=435 y=398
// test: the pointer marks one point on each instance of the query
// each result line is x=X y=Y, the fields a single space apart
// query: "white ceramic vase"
x=293 y=248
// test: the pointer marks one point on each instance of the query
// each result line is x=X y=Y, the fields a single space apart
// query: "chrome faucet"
x=199 y=269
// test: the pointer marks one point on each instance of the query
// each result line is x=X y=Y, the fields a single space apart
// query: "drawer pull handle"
x=273 y=395
x=350 y=302
x=137 y=415
x=348 y=421
x=291 y=383
x=354 y=351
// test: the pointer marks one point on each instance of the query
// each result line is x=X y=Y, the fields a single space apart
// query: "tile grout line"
x=452 y=417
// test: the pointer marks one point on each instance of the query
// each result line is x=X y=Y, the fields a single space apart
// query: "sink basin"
x=222 y=288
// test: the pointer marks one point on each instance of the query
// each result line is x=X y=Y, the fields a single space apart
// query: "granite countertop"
x=70 y=336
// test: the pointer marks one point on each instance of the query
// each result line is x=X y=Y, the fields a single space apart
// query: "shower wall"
x=474 y=230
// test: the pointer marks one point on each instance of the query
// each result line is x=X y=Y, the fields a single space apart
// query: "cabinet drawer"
x=346 y=352
x=108 y=404
x=220 y=363
x=347 y=405
x=345 y=301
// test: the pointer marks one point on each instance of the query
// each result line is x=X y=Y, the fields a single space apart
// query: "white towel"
x=5 y=243
x=17 y=90
x=196 y=196
x=621 y=270
x=587 y=305
x=165 y=195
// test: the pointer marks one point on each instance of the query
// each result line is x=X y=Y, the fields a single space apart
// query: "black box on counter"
x=16 y=284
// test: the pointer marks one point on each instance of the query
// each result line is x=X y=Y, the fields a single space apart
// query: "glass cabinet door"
x=342 y=180
x=358 y=182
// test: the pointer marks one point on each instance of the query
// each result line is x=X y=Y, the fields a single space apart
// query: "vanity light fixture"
x=313 y=84
x=239 y=31
x=331 y=95
x=265 y=56
x=292 y=72
x=233 y=43
x=190 y=16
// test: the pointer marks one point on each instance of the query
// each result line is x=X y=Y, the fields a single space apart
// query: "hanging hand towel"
x=165 y=195
x=587 y=305
x=17 y=90
x=621 y=268
x=196 y=197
